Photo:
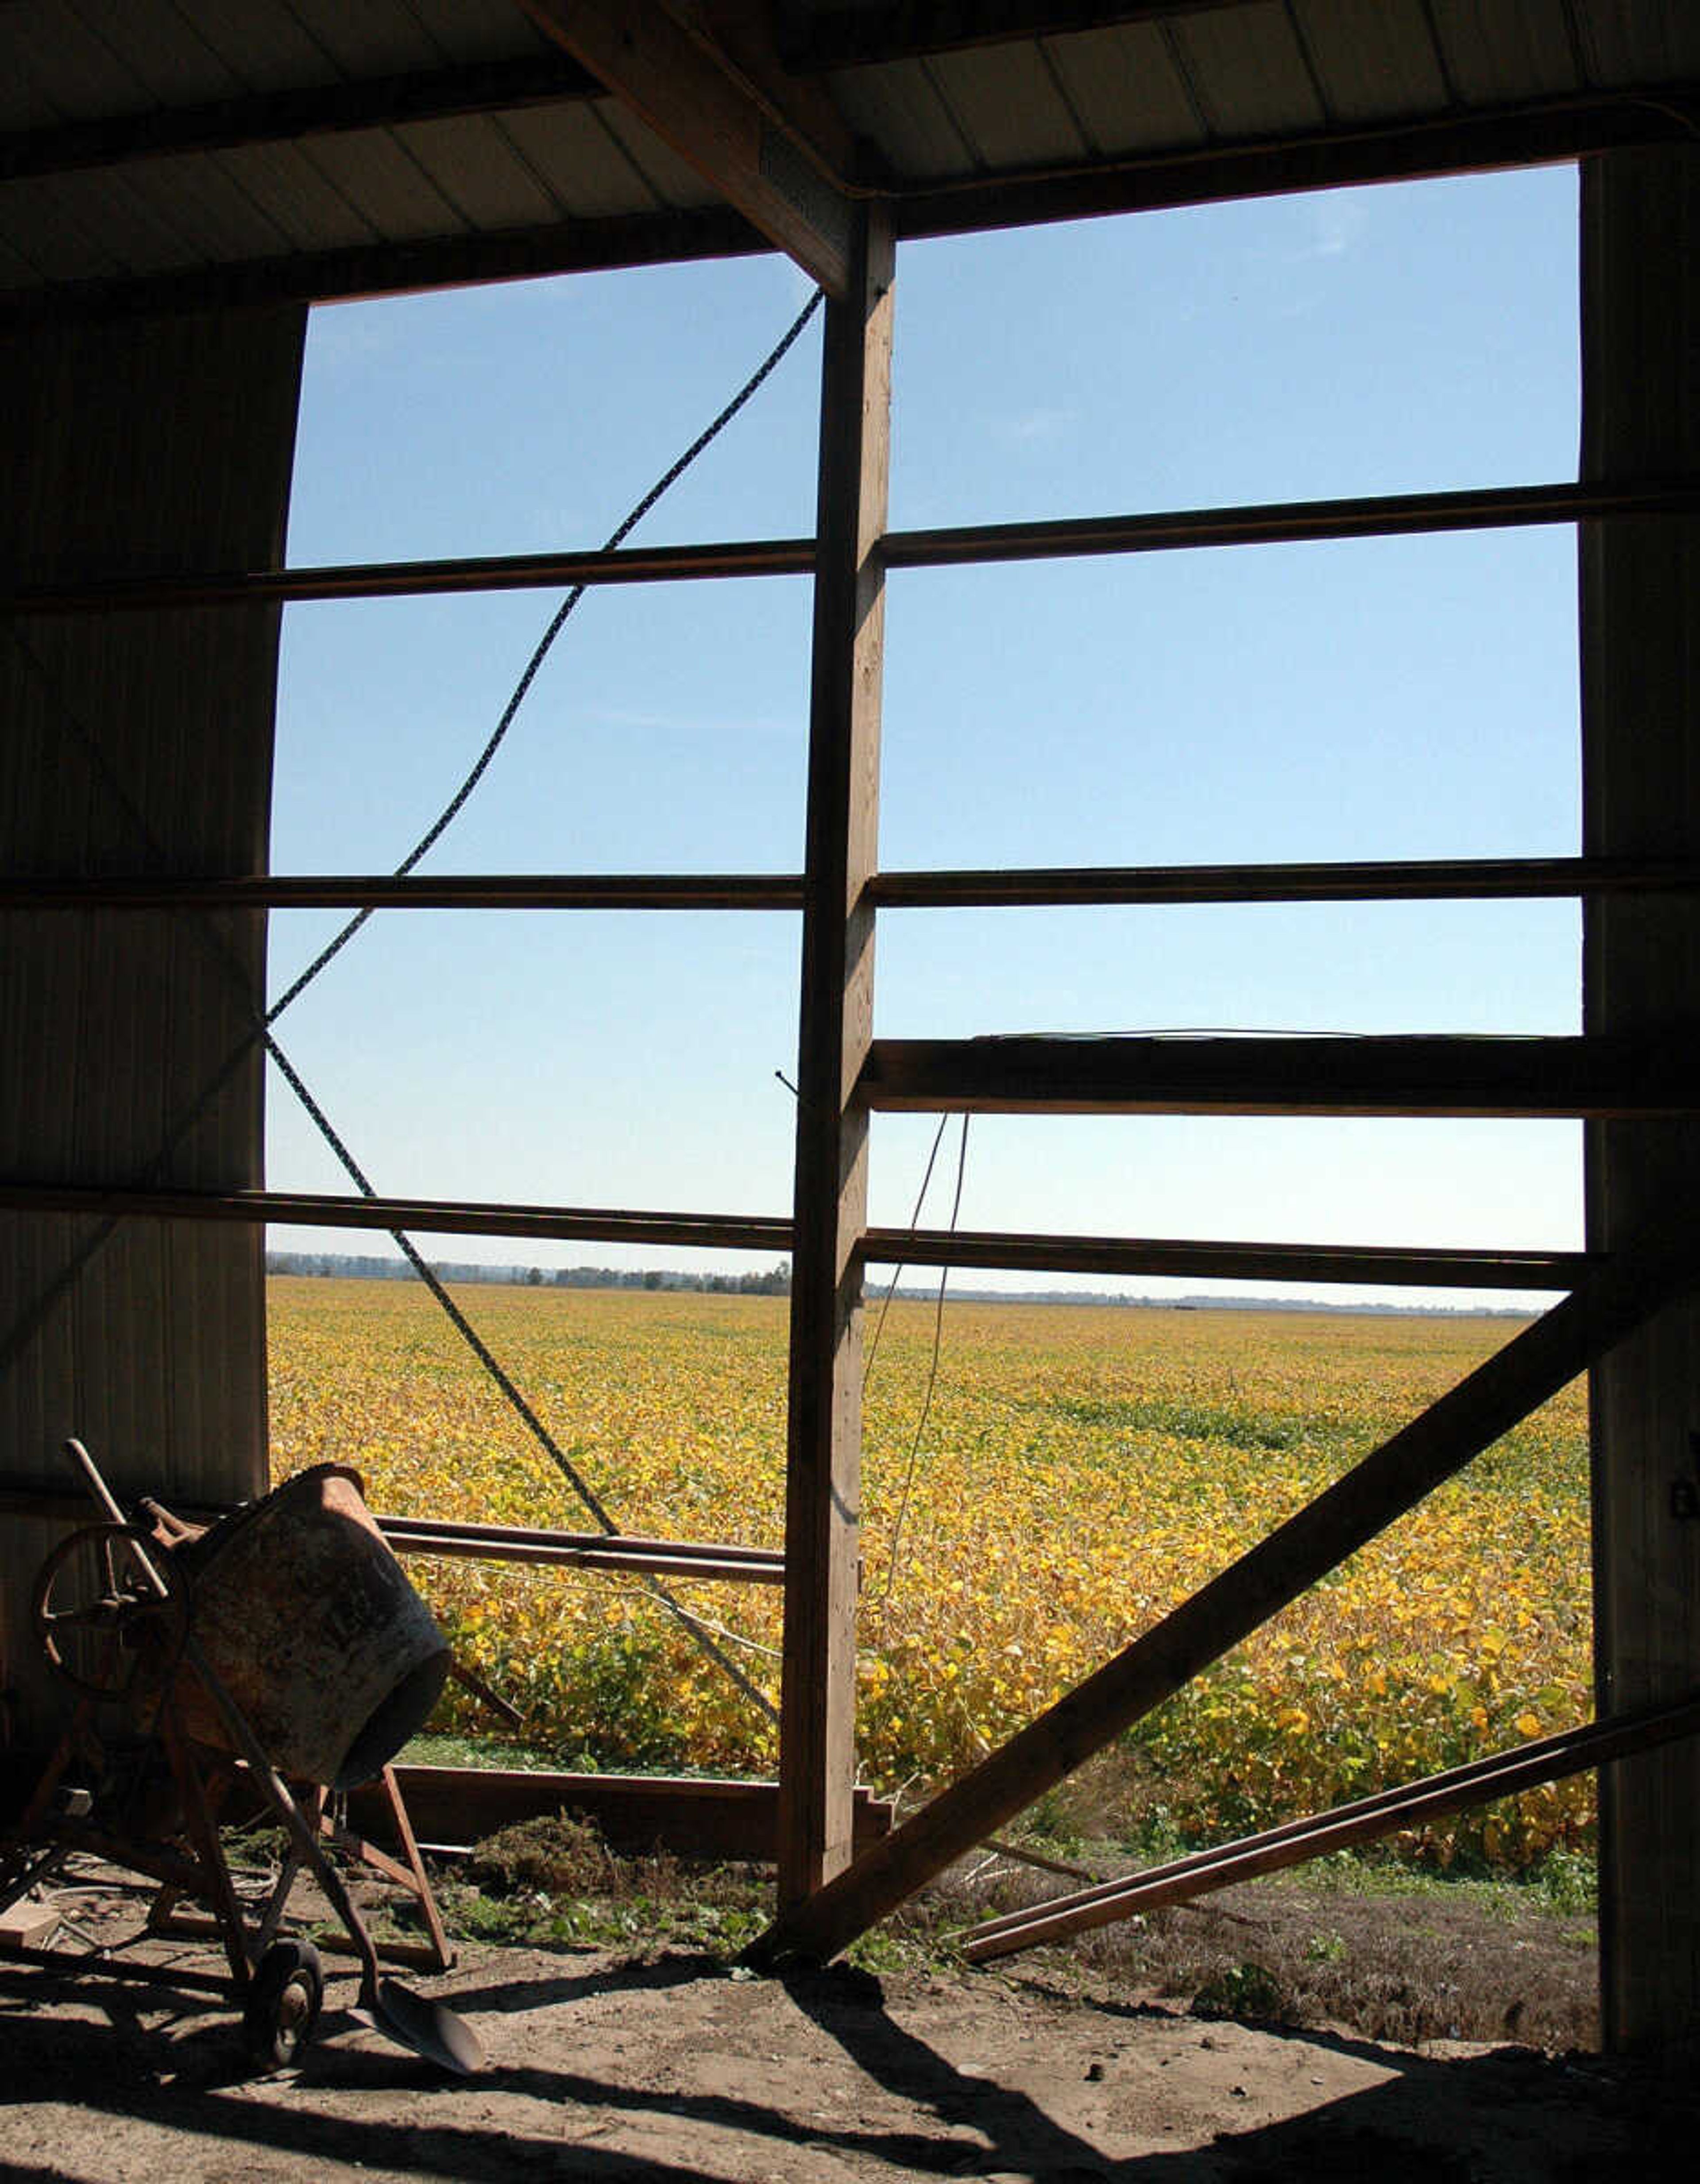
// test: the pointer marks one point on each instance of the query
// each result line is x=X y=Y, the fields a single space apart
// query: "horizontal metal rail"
x=22 y=1495
x=593 y=1550
x=1200 y=1261
x=426 y=1216
x=402 y=580
x=1393 y=1076
x=1424 y=880
x=389 y=891
x=1225 y=1262
x=1431 y=879
x=1275 y=523
x=1272 y=523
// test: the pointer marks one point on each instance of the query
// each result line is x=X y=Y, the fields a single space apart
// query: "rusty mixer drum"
x=306 y=1617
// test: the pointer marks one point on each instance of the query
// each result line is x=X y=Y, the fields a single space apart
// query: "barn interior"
x=180 y=187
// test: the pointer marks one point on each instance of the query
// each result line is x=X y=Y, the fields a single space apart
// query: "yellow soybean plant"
x=1084 y=1469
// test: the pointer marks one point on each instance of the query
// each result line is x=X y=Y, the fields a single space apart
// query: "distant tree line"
x=774 y=1281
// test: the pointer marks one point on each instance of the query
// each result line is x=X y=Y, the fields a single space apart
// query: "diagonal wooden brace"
x=1628 y=1291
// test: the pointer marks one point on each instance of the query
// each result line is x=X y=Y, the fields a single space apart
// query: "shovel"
x=427 y=2028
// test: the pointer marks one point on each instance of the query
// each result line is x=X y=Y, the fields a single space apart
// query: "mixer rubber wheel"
x=284 y=2002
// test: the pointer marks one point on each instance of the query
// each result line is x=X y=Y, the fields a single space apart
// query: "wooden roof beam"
x=781 y=156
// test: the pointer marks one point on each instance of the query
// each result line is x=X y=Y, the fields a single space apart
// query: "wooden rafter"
x=1394 y=1478
x=785 y=171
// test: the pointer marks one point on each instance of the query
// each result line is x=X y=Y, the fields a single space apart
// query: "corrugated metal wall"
x=1640 y=717
x=134 y=743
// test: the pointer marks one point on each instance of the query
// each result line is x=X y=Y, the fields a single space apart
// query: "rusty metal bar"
x=1481 y=1781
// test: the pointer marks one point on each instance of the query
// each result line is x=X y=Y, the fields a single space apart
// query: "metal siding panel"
x=1249 y=70
x=1640 y=683
x=1009 y=104
x=898 y=108
x=1126 y=89
x=1373 y=69
x=138 y=741
x=1494 y=55
x=587 y=170
x=477 y=169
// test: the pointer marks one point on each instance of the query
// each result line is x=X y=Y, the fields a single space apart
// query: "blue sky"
x=1396 y=699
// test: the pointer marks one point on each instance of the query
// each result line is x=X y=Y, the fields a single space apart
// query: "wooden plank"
x=1223 y=1262
x=427 y=1216
x=1399 y=1075
x=758 y=156
x=1461 y=879
x=120 y=593
x=1365 y=1820
x=1275 y=523
x=461 y=1806
x=1394 y=1478
x=414 y=891
x=822 y=1490
x=1640 y=796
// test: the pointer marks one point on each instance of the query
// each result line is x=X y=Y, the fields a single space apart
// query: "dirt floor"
x=672 y=2067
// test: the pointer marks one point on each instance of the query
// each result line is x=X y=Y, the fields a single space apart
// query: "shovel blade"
x=430 y=2029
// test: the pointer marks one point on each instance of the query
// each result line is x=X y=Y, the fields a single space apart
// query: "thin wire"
x=932 y=1376
x=914 y=1223
x=452 y=809
x=33 y=1317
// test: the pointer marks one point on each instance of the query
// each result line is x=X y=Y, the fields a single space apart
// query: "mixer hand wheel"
x=111 y=1584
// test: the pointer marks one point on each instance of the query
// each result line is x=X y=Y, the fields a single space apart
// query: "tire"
x=283 y=2003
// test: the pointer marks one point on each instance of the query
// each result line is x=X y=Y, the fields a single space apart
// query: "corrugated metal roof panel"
x=196 y=201
x=898 y=107
x=589 y=172
x=1126 y=88
x=1642 y=40
x=471 y=160
x=1009 y=104
x=262 y=44
x=1247 y=70
x=377 y=37
x=305 y=206
x=480 y=30
x=1503 y=52
x=49 y=226
x=71 y=72
x=674 y=180
x=385 y=185
x=162 y=49
x=1372 y=66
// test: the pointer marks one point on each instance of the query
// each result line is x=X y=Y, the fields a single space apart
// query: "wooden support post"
x=1641 y=771
x=817 y=1740
x=1394 y=1478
